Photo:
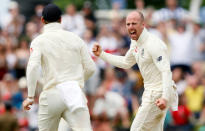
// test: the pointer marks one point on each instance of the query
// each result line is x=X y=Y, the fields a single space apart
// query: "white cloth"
x=149 y=117
x=63 y=57
x=63 y=126
x=72 y=95
x=52 y=108
x=175 y=99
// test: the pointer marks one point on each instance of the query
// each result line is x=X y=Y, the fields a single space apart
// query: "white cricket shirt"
x=63 y=57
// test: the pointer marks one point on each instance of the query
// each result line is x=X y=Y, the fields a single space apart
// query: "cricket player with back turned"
x=65 y=64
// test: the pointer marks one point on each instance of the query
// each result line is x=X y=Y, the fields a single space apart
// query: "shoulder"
x=73 y=37
x=37 y=40
x=155 y=44
x=40 y=39
x=69 y=34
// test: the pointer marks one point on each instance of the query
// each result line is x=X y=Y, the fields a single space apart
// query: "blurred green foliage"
x=155 y=3
x=63 y=3
x=185 y=3
x=130 y=3
x=29 y=4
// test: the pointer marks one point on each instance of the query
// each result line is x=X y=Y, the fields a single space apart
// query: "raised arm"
x=124 y=62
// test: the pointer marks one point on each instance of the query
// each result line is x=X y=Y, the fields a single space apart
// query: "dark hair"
x=51 y=13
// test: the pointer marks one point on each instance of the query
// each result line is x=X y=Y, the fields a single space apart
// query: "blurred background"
x=113 y=94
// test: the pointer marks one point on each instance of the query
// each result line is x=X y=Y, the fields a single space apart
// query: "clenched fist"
x=161 y=103
x=27 y=103
x=97 y=49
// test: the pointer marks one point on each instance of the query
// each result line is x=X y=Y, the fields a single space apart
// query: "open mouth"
x=133 y=32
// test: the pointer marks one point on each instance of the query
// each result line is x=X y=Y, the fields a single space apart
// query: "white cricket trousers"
x=52 y=108
x=149 y=117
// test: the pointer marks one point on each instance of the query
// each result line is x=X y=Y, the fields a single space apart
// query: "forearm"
x=167 y=85
x=118 y=61
x=33 y=74
x=33 y=68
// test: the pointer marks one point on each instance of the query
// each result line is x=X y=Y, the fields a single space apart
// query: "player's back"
x=61 y=55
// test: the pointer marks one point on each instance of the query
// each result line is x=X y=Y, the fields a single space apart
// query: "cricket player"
x=65 y=64
x=150 y=53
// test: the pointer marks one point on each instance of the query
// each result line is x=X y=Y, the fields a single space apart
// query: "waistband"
x=152 y=90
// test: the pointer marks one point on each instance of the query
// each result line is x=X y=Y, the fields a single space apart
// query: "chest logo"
x=159 y=58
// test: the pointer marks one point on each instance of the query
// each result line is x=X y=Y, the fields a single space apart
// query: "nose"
x=130 y=27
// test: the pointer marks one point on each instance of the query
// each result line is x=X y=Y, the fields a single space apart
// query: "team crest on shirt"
x=31 y=50
x=159 y=58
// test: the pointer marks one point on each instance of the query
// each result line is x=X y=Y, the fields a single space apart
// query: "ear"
x=42 y=20
x=143 y=24
x=59 y=20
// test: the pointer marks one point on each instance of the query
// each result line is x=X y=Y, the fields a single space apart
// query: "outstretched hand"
x=97 y=49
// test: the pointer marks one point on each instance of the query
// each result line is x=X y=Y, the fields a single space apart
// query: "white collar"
x=52 y=27
x=143 y=36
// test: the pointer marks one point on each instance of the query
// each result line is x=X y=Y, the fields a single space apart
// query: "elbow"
x=32 y=69
x=125 y=66
x=90 y=71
